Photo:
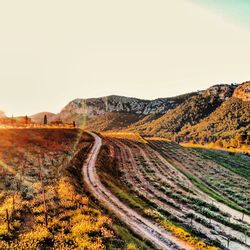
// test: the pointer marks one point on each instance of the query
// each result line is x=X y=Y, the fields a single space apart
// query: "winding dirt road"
x=159 y=237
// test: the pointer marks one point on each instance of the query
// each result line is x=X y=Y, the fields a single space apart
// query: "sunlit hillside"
x=42 y=201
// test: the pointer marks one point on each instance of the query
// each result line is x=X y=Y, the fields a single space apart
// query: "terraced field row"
x=172 y=196
x=219 y=178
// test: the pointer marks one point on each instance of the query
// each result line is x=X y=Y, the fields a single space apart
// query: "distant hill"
x=39 y=117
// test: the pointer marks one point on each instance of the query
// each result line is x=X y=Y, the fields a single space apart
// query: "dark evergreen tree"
x=26 y=120
x=12 y=120
x=45 y=121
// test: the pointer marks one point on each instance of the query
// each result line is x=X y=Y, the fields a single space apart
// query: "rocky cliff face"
x=223 y=91
x=99 y=106
x=94 y=107
x=243 y=92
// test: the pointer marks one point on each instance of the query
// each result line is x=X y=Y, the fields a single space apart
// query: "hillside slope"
x=220 y=114
x=190 y=112
x=232 y=118
x=111 y=121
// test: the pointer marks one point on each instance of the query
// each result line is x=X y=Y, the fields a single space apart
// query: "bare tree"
x=7 y=220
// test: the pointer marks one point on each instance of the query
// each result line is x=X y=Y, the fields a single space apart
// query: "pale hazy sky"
x=54 y=51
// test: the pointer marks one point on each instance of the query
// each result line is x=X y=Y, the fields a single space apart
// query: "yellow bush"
x=131 y=246
x=187 y=237
x=74 y=225
x=40 y=219
x=16 y=224
x=152 y=213
x=38 y=210
x=66 y=190
x=3 y=229
x=87 y=243
x=82 y=228
x=39 y=233
x=7 y=204
x=4 y=245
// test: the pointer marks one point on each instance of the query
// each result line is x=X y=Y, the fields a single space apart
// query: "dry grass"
x=243 y=149
x=40 y=169
x=125 y=135
x=156 y=139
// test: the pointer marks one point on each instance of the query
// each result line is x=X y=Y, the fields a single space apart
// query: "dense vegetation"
x=230 y=123
x=209 y=117
x=237 y=163
x=190 y=112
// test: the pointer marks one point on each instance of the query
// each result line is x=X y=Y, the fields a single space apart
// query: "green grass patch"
x=237 y=163
x=203 y=187
x=199 y=184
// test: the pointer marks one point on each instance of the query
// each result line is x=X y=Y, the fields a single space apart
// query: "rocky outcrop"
x=99 y=106
x=243 y=92
x=223 y=91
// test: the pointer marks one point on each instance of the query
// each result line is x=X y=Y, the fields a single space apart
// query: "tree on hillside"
x=12 y=120
x=26 y=120
x=45 y=121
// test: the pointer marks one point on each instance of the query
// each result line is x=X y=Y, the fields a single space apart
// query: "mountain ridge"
x=184 y=117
